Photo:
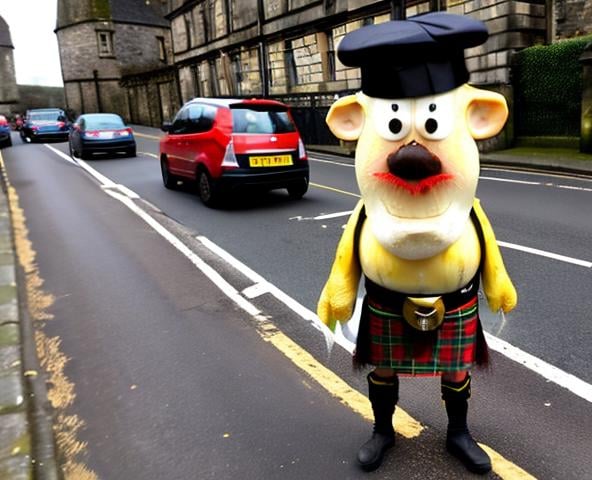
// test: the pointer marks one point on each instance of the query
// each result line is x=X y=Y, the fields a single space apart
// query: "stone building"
x=285 y=49
x=8 y=88
x=100 y=41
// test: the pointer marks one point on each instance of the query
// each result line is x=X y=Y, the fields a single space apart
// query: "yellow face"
x=417 y=163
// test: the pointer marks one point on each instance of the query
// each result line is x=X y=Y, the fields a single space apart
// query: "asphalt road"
x=169 y=385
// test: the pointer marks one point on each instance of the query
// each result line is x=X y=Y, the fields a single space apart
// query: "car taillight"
x=301 y=150
x=229 y=160
x=61 y=124
x=91 y=133
x=129 y=130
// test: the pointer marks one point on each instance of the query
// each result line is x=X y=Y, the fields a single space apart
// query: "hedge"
x=548 y=88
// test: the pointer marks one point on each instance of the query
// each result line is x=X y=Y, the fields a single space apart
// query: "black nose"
x=414 y=162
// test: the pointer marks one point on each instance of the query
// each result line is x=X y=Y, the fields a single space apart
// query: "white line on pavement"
x=494 y=179
x=509 y=180
x=61 y=154
x=343 y=338
x=332 y=162
x=543 y=184
x=333 y=215
x=543 y=253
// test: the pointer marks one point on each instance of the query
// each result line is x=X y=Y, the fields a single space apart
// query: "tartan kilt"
x=390 y=342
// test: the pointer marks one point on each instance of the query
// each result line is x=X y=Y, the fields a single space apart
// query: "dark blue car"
x=101 y=133
x=45 y=124
x=5 y=140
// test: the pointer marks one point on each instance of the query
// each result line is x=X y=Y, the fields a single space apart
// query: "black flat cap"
x=423 y=55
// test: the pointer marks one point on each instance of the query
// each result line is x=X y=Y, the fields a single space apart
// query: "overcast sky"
x=36 y=56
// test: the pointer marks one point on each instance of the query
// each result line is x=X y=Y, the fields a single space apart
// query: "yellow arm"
x=339 y=295
x=498 y=287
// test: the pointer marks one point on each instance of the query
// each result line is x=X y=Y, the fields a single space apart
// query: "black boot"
x=458 y=439
x=383 y=394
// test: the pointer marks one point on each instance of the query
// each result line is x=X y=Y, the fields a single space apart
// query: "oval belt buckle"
x=424 y=313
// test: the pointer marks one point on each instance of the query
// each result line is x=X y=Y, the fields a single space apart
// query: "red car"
x=227 y=144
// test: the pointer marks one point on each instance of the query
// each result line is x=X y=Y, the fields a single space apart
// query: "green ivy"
x=548 y=85
x=101 y=9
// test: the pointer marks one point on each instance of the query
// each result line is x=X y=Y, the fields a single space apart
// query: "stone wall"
x=153 y=98
x=35 y=96
x=8 y=88
x=573 y=18
x=512 y=25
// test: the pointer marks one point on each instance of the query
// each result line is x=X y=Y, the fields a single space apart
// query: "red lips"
x=416 y=187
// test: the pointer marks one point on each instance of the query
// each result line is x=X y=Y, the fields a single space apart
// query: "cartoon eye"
x=434 y=116
x=391 y=118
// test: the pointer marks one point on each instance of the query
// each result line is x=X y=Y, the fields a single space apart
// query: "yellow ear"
x=486 y=114
x=346 y=118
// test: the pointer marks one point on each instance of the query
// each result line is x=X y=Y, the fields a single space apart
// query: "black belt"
x=393 y=301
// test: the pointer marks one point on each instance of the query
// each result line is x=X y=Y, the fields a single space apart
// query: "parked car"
x=42 y=124
x=5 y=139
x=226 y=144
x=101 y=133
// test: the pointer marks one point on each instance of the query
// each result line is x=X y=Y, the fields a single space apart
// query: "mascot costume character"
x=418 y=235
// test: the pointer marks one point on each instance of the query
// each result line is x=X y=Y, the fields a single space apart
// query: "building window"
x=161 y=49
x=195 y=80
x=237 y=73
x=291 y=64
x=189 y=30
x=105 y=43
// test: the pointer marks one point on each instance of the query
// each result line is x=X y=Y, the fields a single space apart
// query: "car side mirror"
x=166 y=126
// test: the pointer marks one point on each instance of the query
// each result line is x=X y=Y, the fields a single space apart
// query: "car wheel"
x=168 y=179
x=208 y=191
x=298 y=189
x=131 y=152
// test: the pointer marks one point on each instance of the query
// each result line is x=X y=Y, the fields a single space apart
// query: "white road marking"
x=105 y=182
x=542 y=184
x=332 y=162
x=543 y=253
x=509 y=180
x=494 y=179
x=550 y=372
x=540 y=173
x=333 y=215
x=61 y=154
x=344 y=335
x=546 y=370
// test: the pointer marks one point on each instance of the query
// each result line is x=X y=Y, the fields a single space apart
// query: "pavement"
x=26 y=440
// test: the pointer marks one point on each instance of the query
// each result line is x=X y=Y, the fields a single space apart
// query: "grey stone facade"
x=572 y=18
x=102 y=40
x=8 y=88
x=287 y=47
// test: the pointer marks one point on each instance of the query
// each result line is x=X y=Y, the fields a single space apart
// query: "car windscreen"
x=46 y=117
x=245 y=120
x=103 y=122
